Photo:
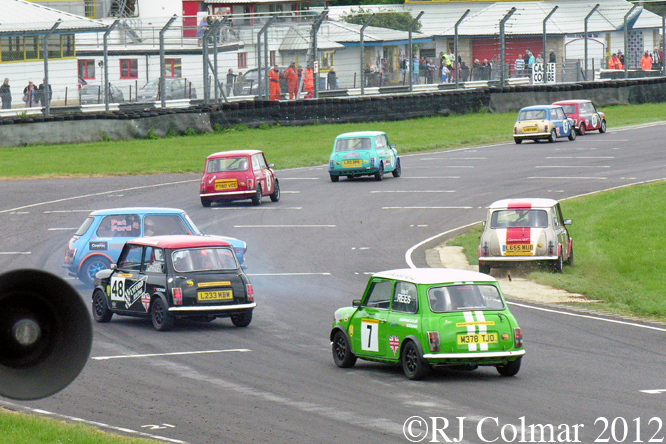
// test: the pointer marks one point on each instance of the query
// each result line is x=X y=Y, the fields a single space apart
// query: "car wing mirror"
x=568 y=222
x=113 y=266
x=483 y=223
x=356 y=303
x=271 y=165
x=392 y=145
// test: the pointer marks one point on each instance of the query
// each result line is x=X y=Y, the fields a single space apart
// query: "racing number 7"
x=370 y=335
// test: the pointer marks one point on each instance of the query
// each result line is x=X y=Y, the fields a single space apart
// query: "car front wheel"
x=581 y=129
x=510 y=368
x=570 y=260
x=256 y=198
x=572 y=134
x=101 y=311
x=342 y=354
x=242 y=319
x=413 y=365
x=602 y=127
x=276 y=192
x=159 y=314
x=90 y=268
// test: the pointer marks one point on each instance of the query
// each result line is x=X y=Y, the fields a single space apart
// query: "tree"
x=384 y=19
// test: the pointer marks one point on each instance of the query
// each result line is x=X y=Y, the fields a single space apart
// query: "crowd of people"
x=649 y=61
x=33 y=96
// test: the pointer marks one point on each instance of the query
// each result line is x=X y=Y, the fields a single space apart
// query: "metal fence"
x=173 y=60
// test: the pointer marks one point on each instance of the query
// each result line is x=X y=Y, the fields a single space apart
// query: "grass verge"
x=617 y=245
x=286 y=147
x=28 y=429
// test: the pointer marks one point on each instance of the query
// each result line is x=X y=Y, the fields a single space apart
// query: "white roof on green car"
x=523 y=203
x=360 y=134
x=434 y=275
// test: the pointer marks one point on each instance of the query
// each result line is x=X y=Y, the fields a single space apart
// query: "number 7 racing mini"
x=432 y=317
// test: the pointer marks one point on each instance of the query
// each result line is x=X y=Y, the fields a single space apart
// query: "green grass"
x=617 y=245
x=26 y=429
x=286 y=147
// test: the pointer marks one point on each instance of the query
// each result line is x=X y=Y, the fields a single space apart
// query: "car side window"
x=122 y=225
x=153 y=260
x=159 y=225
x=130 y=258
x=553 y=114
x=255 y=163
x=262 y=161
x=379 y=142
x=379 y=294
x=405 y=298
x=560 y=114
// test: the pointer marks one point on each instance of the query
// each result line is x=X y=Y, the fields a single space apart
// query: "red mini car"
x=237 y=175
x=585 y=115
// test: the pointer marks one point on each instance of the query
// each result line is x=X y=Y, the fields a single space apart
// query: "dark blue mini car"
x=98 y=242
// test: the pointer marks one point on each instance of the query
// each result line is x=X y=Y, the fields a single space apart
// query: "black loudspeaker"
x=45 y=334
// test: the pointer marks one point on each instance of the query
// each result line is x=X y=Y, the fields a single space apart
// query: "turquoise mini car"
x=429 y=317
x=363 y=153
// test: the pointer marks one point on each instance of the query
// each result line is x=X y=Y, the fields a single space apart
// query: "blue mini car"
x=98 y=242
x=364 y=153
x=543 y=122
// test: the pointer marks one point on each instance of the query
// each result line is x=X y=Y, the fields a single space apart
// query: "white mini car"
x=522 y=230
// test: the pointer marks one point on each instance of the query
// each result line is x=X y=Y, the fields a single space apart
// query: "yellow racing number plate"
x=480 y=338
x=519 y=249
x=352 y=163
x=530 y=129
x=219 y=295
x=226 y=184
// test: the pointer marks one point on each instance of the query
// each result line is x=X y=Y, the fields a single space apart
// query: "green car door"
x=404 y=318
x=368 y=329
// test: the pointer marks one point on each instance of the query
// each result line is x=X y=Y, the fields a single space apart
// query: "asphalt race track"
x=583 y=377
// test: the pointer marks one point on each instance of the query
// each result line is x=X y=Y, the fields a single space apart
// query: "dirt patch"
x=512 y=281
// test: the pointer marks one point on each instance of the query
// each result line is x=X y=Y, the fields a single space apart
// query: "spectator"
x=201 y=29
x=41 y=93
x=656 y=59
x=430 y=72
x=519 y=66
x=530 y=63
x=646 y=62
x=291 y=76
x=332 y=79
x=526 y=60
x=274 y=80
x=476 y=70
x=539 y=59
x=238 y=86
x=367 y=72
x=464 y=70
x=445 y=74
x=485 y=70
x=552 y=58
x=621 y=57
x=231 y=80
x=6 y=95
x=30 y=95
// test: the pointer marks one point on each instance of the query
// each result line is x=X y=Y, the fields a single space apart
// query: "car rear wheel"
x=90 y=268
x=572 y=134
x=256 y=198
x=510 y=368
x=559 y=264
x=485 y=269
x=379 y=175
x=553 y=136
x=398 y=169
x=242 y=319
x=101 y=311
x=205 y=202
x=334 y=178
x=602 y=127
x=342 y=354
x=159 y=314
x=581 y=129
x=518 y=140
x=413 y=365
x=276 y=192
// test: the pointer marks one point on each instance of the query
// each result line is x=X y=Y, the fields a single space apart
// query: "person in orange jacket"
x=274 y=81
x=308 y=83
x=646 y=62
x=612 y=61
x=618 y=62
x=292 y=80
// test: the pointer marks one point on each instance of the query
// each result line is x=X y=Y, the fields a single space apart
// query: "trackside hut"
x=22 y=30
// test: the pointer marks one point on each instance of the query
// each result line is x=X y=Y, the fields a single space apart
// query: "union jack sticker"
x=394 y=343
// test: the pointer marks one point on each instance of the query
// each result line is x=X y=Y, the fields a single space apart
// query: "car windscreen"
x=519 y=218
x=153 y=84
x=227 y=164
x=84 y=226
x=204 y=259
x=464 y=297
x=195 y=230
x=90 y=90
x=355 y=144
x=533 y=114
x=569 y=109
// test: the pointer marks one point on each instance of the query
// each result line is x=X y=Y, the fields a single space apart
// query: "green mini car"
x=427 y=317
x=363 y=153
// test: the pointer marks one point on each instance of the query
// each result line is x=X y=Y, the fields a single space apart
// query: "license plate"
x=227 y=184
x=527 y=130
x=352 y=163
x=219 y=295
x=481 y=338
x=519 y=249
